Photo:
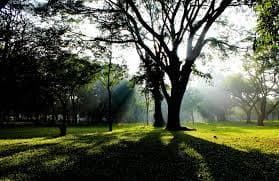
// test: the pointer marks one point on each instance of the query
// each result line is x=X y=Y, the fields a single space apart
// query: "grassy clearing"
x=241 y=136
x=227 y=151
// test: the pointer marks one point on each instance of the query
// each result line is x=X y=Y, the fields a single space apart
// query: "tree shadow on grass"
x=29 y=132
x=47 y=161
x=112 y=157
x=145 y=159
x=226 y=163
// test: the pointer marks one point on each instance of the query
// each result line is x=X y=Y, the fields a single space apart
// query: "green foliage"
x=117 y=73
x=267 y=23
x=267 y=42
x=242 y=90
x=28 y=56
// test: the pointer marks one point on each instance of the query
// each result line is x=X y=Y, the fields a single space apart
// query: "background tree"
x=150 y=77
x=263 y=65
x=68 y=75
x=265 y=80
x=111 y=75
x=243 y=93
x=191 y=104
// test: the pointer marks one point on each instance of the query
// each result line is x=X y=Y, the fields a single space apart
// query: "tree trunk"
x=262 y=113
x=192 y=115
x=63 y=127
x=174 y=104
x=248 y=116
x=146 y=97
x=178 y=87
x=158 y=117
x=74 y=109
x=261 y=120
x=109 y=109
x=45 y=117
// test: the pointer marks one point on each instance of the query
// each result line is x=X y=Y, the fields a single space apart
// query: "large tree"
x=178 y=23
x=66 y=75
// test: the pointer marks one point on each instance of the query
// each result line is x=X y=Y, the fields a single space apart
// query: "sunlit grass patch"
x=242 y=136
x=203 y=171
x=166 y=138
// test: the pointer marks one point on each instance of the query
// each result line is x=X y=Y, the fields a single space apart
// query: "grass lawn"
x=221 y=151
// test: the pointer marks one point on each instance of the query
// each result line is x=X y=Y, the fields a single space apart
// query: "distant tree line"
x=232 y=98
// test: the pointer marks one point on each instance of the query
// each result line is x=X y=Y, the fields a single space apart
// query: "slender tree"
x=111 y=75
x=150 y=77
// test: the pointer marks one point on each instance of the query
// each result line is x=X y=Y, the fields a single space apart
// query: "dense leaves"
x=267 y=42
x=38 y=72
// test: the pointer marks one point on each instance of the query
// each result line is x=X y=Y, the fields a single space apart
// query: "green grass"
x=220 y=151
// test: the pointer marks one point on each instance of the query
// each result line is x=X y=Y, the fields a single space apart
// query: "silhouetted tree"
x=150 y=77
x=111 y=75
x=164 y=32
x=68 y=74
